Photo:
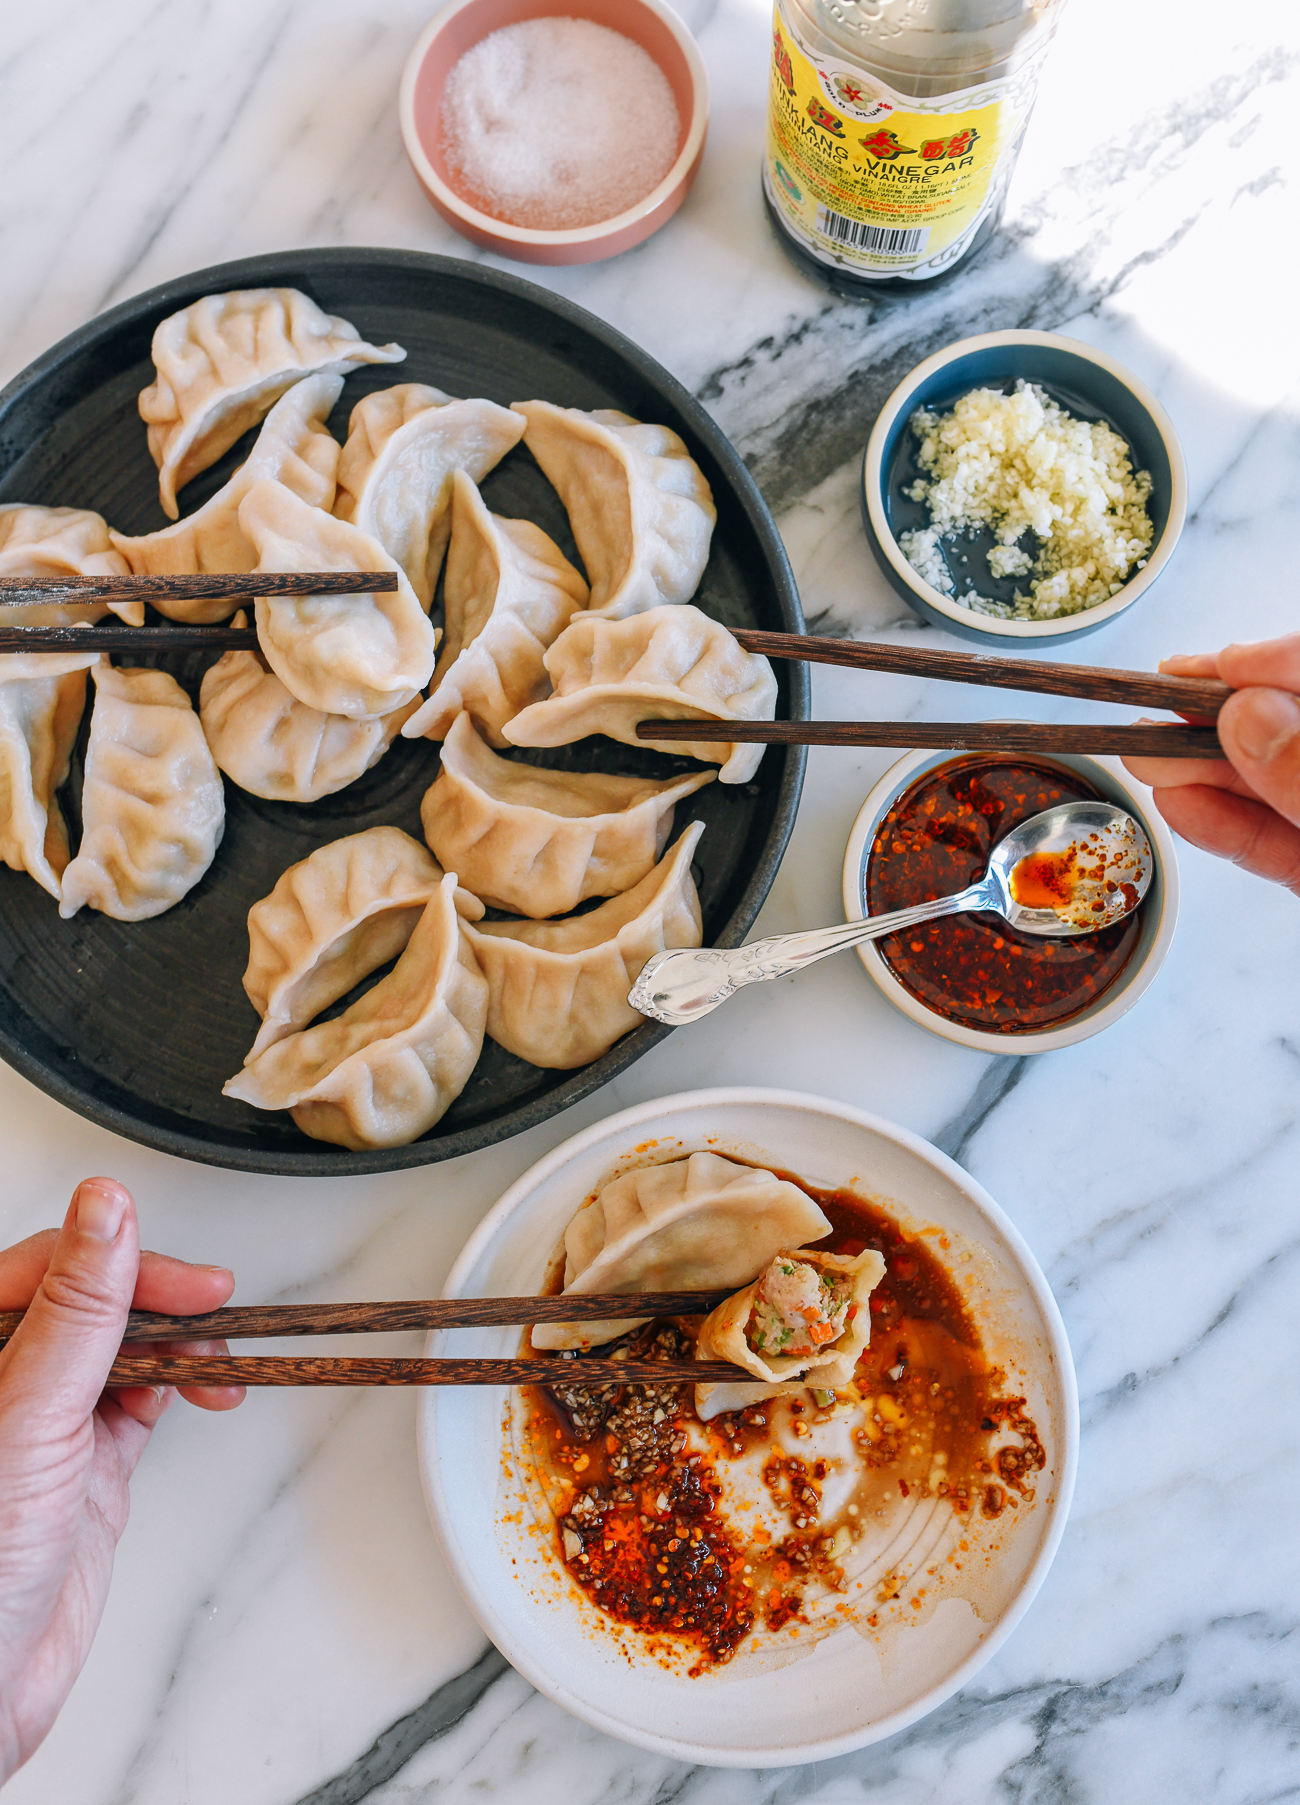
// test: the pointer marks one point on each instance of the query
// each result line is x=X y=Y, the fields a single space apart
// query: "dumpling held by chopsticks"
x=805 y=1318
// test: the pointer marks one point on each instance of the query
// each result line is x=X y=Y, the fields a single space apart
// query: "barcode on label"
x=893 y=241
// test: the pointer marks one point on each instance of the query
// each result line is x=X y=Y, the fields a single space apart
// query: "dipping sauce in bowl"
x=702 y=1534
x=1076 y=891
x=976 y=969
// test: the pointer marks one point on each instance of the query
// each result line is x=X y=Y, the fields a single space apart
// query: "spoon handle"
x=681 y=985
x=785 y=953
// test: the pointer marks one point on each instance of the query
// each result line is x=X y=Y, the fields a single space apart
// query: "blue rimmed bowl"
x=1087 y=383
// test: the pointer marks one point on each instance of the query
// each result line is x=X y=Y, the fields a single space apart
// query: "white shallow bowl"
x=840 y=1694
x=1106 y=775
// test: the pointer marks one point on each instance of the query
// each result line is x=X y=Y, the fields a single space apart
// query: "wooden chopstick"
x=75 y=591
x=117 y=638
x=1201 y=696
x=1162 y=740
x=234 y=1369
x=256 y=1320
x=249 y=1321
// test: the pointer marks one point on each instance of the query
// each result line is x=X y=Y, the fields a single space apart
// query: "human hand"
x=1246 y=808
x=67 y=1447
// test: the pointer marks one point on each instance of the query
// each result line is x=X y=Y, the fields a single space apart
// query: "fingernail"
x=1265 y=721
x=101 y=1206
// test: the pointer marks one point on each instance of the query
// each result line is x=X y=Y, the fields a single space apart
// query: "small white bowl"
x=1108 y=776
x=464 y=23
x=1089 y=384
x=837 y=1694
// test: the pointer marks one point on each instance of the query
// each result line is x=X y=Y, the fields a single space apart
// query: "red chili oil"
x=977 y=970
x=643 y=1526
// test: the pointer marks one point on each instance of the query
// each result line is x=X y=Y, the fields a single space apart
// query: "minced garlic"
x=1018 y=463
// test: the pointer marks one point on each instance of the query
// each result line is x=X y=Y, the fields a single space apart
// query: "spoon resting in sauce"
x=1070 y=870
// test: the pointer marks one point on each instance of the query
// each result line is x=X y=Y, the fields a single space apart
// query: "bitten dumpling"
x=510 y=593
x=802 y=1322
x=356 y=655
x=223 y=361
x=694 y=1224
x=669 y=663
x=273 y=745
x=153 y=809
x=403 y=446
x=559 y=988
x=42 y=698
x=539 y=842
x=58 y=542
x=382 y=1073
x=294 y=447
x=641 y=511
x=331 y=920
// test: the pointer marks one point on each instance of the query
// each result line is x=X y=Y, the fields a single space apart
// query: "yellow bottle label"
x=876 y=182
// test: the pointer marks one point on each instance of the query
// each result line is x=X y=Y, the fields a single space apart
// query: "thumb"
x=60 y=1354
x=1260 y=731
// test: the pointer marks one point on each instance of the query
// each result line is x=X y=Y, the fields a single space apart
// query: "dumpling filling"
x=798 y=1309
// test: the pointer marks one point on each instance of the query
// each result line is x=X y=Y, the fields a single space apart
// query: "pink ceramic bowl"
x=464 y=23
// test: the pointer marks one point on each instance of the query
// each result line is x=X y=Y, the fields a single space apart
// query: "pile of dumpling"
x=530 y=656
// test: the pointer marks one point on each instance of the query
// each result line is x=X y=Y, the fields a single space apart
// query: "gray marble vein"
x=841 y=374
x=996 y=1084
x=395 y=1746
x=1053 y=1741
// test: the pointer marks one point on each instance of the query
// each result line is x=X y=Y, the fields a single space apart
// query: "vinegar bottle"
x=893 y=129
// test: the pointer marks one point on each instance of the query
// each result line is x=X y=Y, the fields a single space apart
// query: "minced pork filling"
x=796 y=1309
x=1019 y=463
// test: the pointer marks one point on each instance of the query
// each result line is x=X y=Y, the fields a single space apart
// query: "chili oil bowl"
x=863 y=1670
x=1090 y=386
x=1159 y=909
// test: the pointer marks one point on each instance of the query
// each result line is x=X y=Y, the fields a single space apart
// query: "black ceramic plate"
x=138 y=1026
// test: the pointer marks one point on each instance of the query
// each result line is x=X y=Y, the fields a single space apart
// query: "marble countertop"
x=282 y=1630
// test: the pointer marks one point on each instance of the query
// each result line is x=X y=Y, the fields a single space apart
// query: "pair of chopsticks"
x=74 y=591
x=1198 y=696
x=245 y=1322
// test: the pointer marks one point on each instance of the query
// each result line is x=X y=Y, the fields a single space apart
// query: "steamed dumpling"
x=641 y=511
x=331 y=920
x=510 y=593
x=803 y=1321
x=222 y=362
x=294 y=447
x=694 y=1224
x=382 y=1073
x=153 y=809
x=665 y=664
x=273 y=745
x=356 y=655
x=42 y=698
x=559 y=988
x=539 y=842
x=404 y=445
x=60 y=542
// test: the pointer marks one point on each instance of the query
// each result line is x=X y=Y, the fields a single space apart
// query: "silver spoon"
x=1095 y=860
